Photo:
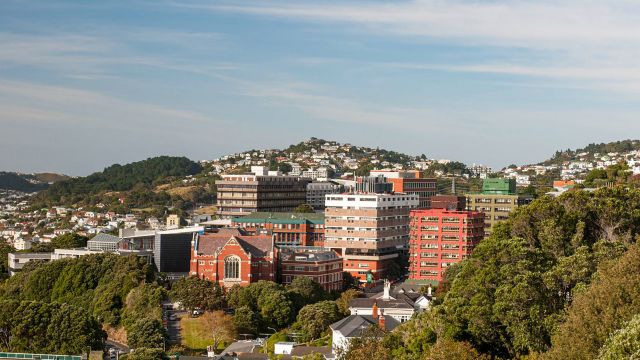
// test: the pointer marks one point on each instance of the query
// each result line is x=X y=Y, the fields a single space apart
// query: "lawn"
x=191 y=330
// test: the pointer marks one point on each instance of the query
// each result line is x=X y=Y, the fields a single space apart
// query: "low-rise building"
x=324 y=266
x=298 y=229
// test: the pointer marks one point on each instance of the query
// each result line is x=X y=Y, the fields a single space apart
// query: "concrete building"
x=410 y=182
x=317 y=190
x=16 y=261
x=440 y=238
x=321 y=265
x=240 y=195
x=231 y=257
x=300 y=229
x=497 y=200
x=369 y=231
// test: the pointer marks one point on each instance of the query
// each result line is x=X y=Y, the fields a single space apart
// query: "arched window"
x=232 y=267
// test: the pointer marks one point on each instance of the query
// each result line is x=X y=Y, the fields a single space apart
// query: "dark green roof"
x=281 y=218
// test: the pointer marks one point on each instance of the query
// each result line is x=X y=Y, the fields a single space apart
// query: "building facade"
x=231 y=257
x=240 y=195
x=440 y=238
x=497 y=200
x=317 y=190
x=369 y=231
x=410 y=182
x=321 y=265
x=298 y=229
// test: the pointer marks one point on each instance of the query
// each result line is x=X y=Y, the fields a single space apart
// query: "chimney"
x=374 y=310
x=381 y=323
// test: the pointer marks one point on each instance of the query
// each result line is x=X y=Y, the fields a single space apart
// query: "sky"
x=85 y=84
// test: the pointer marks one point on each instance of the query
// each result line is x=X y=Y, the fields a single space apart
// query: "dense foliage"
x=39 y=327
x=193 y=292
x=19 y=182
x=116 y=290
x=141 y=174
x=554 y=281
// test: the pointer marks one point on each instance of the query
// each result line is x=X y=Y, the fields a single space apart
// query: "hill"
x=28 y=182
x=335 y=157
x=592 y=151
x=134 y=180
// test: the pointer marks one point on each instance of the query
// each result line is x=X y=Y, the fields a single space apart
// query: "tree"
x=146 y=333
x=38 y=327
x=69 y=241
x=193 y=292
x=314 y=319
x=624 y=343
x=366 y=347
x=145 y=354
x=303 y=208
x=608 y=304
x=246 y=320
x=304 y=290
x=285 y=168
x=344 y=300
x=276 y=309
x=5 y=249
x=219 y=326
x=446 y=349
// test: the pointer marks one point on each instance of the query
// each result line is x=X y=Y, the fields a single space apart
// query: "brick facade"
x=439 y=238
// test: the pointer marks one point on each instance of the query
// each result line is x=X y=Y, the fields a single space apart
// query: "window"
x=232 y=267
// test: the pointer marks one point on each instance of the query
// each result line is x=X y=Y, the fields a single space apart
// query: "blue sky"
x=87 y=84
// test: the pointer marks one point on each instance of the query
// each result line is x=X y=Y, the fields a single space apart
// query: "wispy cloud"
x=578 y=40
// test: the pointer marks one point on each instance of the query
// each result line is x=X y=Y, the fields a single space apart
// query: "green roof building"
x=299 y=229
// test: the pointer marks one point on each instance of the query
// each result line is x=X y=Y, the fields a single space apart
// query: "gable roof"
x=255 y=245
x=367 y=303
x=354 y=325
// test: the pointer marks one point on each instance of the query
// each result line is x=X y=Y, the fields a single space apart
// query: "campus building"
x=439 y=238
x=410 y=182
x=240 y=195
x=497 y=200
x=231 y=257
x=299 y=229
x=324 y=266
x=317 y=190
x=369 y=231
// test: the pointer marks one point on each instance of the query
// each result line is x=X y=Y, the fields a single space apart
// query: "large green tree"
x=193 y=292
x=314 y=319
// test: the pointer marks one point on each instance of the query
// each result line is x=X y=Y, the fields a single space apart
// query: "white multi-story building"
x=368 y=230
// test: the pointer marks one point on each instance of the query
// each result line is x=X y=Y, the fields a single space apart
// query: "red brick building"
x=324 y=266
x=231 y=257
x=439 y=238
x=296 y=229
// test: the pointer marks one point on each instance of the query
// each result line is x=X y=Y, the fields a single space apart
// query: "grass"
x=191 y=330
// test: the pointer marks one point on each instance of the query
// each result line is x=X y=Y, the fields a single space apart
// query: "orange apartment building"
x=369 y=231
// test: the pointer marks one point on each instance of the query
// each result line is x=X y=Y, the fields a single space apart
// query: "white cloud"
x=597 y=42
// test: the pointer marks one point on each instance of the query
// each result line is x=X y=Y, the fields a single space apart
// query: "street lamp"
x=164 y=343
